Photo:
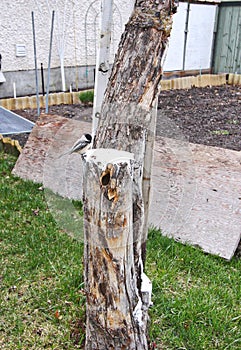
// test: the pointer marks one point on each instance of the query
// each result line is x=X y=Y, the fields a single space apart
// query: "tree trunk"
x=118 y=291
x=110 y=278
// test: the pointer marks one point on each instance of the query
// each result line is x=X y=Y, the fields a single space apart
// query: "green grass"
x=86 y=96
x=220 y=132
x=40 y=270
x=196 y=296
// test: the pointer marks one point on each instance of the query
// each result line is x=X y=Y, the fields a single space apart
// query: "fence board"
x=227 y=48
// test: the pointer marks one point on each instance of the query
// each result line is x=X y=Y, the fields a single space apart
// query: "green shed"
x=227 y=45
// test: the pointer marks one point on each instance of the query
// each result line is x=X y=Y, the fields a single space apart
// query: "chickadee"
x=80 y=146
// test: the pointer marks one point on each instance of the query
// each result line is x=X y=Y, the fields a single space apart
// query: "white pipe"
x=62 y=73
x=102 y=61
x=185 y=36
x=14 y=90
x=50 y=51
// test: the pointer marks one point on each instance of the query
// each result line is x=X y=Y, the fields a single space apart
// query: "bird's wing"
x=78 y=145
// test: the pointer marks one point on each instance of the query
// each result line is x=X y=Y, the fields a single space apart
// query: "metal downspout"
x=35 y=64
x=185 y=36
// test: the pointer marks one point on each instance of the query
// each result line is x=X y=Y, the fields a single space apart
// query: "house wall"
x=76 y=26
x=72 y=18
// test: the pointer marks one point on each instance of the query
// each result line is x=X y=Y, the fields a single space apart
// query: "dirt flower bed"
x=209 y=116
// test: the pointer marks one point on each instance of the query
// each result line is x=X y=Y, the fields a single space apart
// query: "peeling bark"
x=110 y=278
x=137 y=69
x=118 y=291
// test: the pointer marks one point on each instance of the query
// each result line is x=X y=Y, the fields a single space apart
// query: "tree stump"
x=115 y=310
x=116 y=201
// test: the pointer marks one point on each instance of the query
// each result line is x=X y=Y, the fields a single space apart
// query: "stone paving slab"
x=196 y=189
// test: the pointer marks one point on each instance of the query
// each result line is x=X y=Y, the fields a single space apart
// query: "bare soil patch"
x=209 y=116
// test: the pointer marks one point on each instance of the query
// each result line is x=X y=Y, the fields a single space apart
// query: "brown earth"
x=209 y=116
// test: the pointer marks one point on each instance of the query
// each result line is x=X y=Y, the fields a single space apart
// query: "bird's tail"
x=64 y=154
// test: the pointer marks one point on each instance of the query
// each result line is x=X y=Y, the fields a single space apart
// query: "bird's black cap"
x=88 y=137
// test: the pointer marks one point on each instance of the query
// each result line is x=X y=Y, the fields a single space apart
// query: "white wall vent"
x=20 y=50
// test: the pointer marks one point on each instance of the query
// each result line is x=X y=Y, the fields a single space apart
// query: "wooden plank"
x=196 y=195
x=227 y=47
x=226 y=37
x=232 y=39
x=196 y=188
x=40 y=162
x=237 y=63
x=219 y=47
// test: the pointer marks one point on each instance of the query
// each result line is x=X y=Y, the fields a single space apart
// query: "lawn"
x=196 y=296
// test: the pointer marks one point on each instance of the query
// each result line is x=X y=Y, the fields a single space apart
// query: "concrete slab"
x=11 y=123
x=196 y=190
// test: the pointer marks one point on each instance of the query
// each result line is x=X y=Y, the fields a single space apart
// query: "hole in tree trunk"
x=105 y=179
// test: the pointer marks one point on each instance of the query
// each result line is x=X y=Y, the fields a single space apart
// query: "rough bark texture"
x=129 y=105
x=137 y=68
x=126 y=123
x=110 y=278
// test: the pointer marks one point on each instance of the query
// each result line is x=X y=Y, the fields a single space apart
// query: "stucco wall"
x=76 y=25
x=72 y=19
x=76 y=28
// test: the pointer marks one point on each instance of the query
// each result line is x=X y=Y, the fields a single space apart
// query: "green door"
x=227 y=50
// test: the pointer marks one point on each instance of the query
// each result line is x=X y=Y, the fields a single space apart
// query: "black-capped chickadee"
x=80 y=146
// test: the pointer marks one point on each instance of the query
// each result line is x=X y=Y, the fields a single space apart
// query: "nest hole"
x=105 y=179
